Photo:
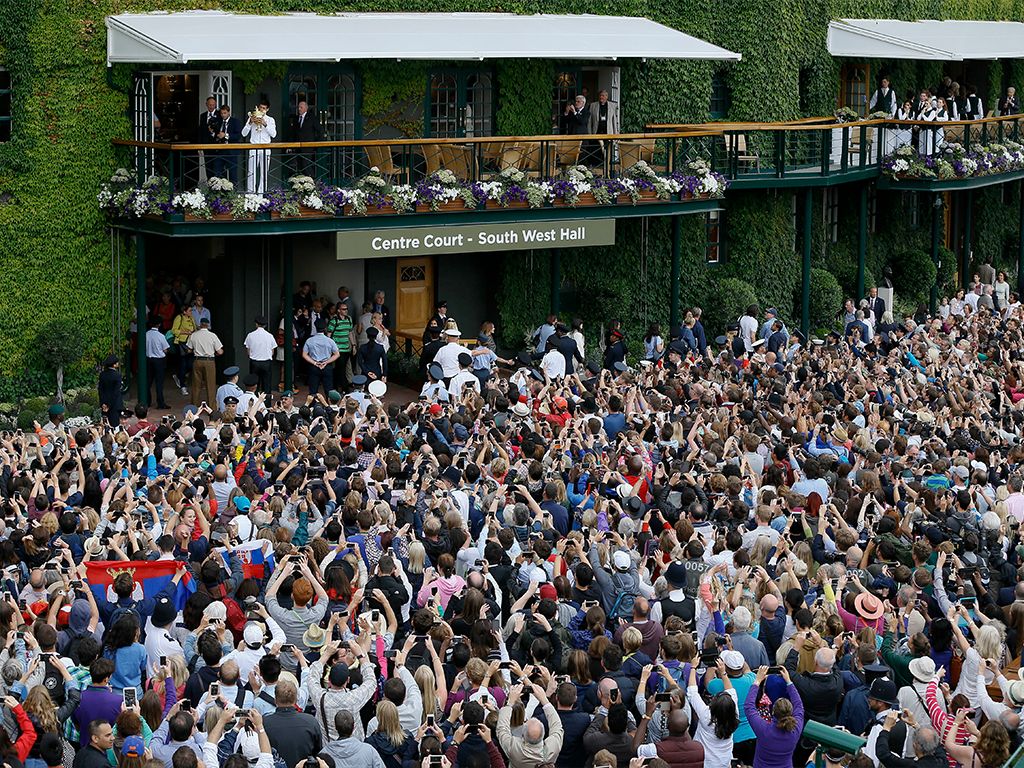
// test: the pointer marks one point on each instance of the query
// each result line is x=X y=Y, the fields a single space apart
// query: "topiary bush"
x=913 y=275
x=826 y=298
x=727 y=300
x=61 y=344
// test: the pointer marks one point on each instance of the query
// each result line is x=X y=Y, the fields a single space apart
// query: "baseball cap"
x=253 y=635
x=732 y=659
x=621 y=559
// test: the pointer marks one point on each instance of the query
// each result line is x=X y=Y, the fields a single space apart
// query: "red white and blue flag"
x=255 y=555
x=150 y=576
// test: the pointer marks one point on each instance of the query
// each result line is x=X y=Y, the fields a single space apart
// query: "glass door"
x=331 y=94
x=460 y=103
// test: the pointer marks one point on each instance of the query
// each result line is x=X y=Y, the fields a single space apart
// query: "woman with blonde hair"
x=434 y=695
x=985 y=657
x=390 y=739
x=417 y=564
x=46 y=718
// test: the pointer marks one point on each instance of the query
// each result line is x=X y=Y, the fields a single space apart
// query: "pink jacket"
x=445 y=589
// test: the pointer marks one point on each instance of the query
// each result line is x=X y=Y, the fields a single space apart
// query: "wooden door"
x=415 y=295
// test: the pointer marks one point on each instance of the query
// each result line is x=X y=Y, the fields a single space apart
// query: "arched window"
x=854 y=93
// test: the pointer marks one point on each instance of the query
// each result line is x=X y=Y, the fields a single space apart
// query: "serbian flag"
x=254 y=556
x=150 y=576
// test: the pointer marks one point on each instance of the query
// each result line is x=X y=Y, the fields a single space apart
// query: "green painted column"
x=1020 y=255
x=289 y=333
x=805 y=293
x=556 y=279
x=965 y=270
x=141 y=319
x=676 y=237
x=862 y=241
x=936 y=230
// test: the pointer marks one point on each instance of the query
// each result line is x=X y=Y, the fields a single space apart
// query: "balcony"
x=180 y=189
x=821 y=152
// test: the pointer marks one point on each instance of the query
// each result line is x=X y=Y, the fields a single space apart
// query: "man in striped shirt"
x=339 y=329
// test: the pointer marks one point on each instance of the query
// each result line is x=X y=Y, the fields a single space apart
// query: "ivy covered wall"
x=68 y=106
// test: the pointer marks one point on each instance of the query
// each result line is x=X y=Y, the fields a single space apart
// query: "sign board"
x=474 y=238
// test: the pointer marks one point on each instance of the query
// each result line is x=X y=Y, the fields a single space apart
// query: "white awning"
x=926 y=40
x=190 y=36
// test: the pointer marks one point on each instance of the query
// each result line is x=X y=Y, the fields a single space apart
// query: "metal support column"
x=556 y=279
x=1020 y=255
x=141 y=320
x=289 y=332
x=965 y=270
x=936 y=229
x=862 y=242
x=805 y=293
x=676 y=237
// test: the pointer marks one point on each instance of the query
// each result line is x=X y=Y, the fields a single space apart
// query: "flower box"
x=457 y=204
x=306 y=212
x=494 y=205
x=587 y=198
x=371 y=210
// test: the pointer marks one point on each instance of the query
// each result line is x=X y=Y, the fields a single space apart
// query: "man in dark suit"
x=305 y=128
x=109 y=388
x=373 y=360
x=228 y=131
x=209 y=121
x=876 y=304
x=380 y=306
x=568 y=347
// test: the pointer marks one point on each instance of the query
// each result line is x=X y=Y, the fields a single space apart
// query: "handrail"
x=696 y=133
x=805 y=126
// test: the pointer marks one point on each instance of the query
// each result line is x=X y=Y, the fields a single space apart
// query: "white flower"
x=375 y=169
x=313 y=201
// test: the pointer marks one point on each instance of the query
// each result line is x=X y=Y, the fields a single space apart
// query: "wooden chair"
x=737 y=143
x=632 y=151
x=458 y=160
x=530 y=160
x=433 y=154
x=379 y=156
x=564 y=154
x=855 y=138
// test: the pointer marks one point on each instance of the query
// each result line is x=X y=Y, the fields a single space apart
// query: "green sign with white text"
x=474 y=238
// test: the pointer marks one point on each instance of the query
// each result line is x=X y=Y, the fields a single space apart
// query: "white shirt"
x=260 y=134
x=249 y=658
x=553 y=364
x=748 y=330
x=460 y=380
x=448 y=358
x=159 y=643
x=260 y=344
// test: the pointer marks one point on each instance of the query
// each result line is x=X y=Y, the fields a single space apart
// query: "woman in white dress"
x=261 y=128
x=577 y=335
x=941 y=116
x=903 y=136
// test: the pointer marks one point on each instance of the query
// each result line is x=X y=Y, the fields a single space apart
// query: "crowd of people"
x=541 y=561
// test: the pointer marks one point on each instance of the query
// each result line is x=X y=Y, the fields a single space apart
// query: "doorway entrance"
x=460 y=104
x=415 y=304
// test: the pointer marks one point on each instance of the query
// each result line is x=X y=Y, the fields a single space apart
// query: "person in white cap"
x=448 y=355
x=254 y=646
x=620 y=588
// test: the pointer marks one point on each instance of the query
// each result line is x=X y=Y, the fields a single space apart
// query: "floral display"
x=952 y=161
x=122 y=198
